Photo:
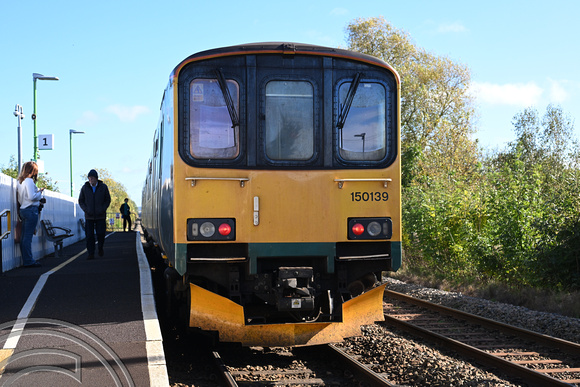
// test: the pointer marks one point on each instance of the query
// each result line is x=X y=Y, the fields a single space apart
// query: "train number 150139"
x=369 y=196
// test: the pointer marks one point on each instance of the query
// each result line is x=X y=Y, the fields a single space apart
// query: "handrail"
x=242 y=180
x=383 y=180
x=7 y=214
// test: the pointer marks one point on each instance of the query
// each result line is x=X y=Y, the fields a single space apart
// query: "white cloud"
x=321 y=38
x=558 y=93
x=138 y=171
x=451 y=28
x=127 y=113
x=339 y=12
x=88 y=118
x=516 y=94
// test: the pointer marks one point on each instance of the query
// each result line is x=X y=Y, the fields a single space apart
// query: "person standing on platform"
x=125 y=211
x=94 y=200
x=29 y=198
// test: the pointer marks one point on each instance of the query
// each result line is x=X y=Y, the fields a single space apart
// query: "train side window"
x=363 y=136
x=289 y=121
x=212 y=134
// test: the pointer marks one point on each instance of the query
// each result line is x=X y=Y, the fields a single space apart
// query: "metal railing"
x=115 y=221
x=7 y=214
x=5 y=234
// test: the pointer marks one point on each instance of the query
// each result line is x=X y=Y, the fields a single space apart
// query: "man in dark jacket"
x=94 y=199
x=125 y=211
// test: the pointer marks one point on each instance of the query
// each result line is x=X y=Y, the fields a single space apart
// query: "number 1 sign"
x=45 y=141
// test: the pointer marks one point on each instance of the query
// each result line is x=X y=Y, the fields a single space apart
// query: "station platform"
x=75 y=321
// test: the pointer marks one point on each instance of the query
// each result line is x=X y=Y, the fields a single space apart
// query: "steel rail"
x=225 y=375
x=567 y=346
x=532 y=376
x=361 y=370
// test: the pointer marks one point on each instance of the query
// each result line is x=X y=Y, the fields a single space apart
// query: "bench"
x=56 y=235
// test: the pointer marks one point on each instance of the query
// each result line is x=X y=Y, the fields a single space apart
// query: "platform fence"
x=115 y=221
x=61 y=209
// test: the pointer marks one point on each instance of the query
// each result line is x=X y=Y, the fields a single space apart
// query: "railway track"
x=325 y=365
x=189 y=363
x=535 y=358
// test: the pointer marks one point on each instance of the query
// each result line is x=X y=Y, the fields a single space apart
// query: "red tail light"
x=211 y=229
x=369 y=228
x=225 y=229
x=358 y=229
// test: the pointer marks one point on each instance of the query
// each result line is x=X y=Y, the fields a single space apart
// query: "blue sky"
x=113 y=59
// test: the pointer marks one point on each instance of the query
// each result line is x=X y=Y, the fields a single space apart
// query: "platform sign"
x=45 y=141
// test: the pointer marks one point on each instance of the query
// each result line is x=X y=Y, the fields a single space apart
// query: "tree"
x=534 y=201
x=43 y=180
x=512 y=215
x=439 y=158
x=435 y=100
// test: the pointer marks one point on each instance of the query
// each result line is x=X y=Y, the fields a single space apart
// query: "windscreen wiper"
x=228 y=98
x=344 y=108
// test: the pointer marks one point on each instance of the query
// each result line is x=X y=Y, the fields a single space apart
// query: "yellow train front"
x=273 y=191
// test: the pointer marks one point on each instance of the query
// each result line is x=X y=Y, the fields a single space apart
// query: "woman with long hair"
x=29 y=196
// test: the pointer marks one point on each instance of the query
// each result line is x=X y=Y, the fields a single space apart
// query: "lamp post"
x=362 y=136
x=35 y=77
x=18 y=113
x=71 y=132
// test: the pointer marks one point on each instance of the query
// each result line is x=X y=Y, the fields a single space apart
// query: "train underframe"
x=280 y=300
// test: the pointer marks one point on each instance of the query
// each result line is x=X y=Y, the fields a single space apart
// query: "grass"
x=544 y=300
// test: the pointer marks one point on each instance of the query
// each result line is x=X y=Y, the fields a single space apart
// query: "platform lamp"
x=35 y=77
x=20 y=115
x=362 y=136
x=71 y=132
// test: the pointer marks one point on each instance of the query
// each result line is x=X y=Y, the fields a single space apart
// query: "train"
x=273 y=192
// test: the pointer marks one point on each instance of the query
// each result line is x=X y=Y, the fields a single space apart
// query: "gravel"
x=550 y=324
x=408 y=361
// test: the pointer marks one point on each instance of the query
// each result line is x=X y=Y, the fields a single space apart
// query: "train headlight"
x=374 y=229
x=370 y=228
x=205 y=229
x=192 y=229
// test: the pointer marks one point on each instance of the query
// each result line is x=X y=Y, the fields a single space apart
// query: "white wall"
x=61 y=209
